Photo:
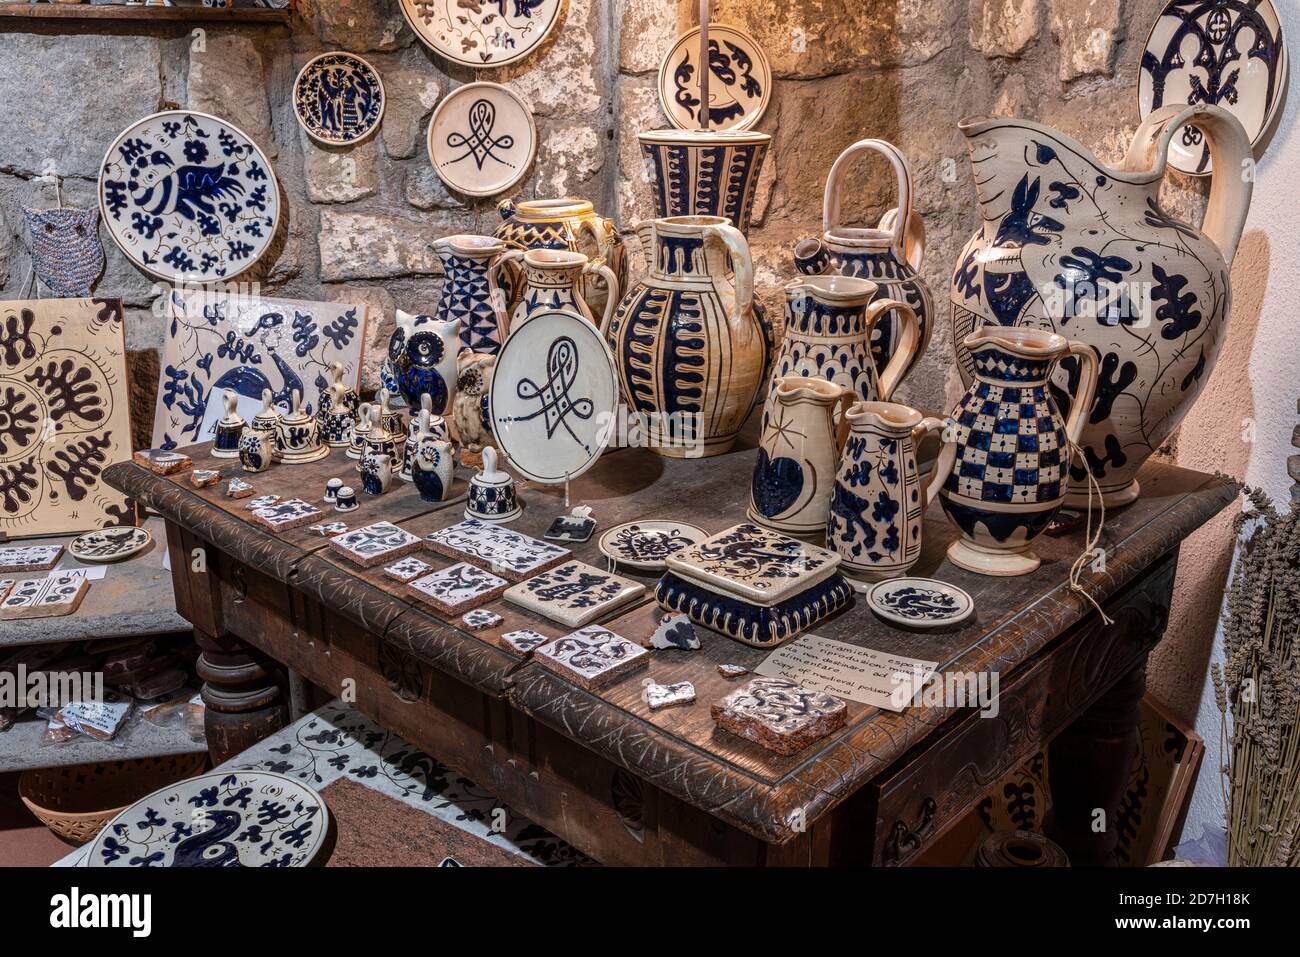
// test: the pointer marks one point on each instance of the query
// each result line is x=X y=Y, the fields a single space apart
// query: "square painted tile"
x=574 y=593
x=284 y=516
x=779 y=714
x=44 y=597
x=408 y=569
x=374 y=544
x=592 y=657
x=507 y=553
x=480 y=619
x=29 y=558
x=458 y=589
x=523 y=642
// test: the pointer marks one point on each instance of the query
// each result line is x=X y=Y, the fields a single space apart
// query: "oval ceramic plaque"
x=223 y=819
x=110 y=545
x=920 y=602
x=647 y=545
x=740 y=86
x=338 y=99
x=188 y=197
x=554 y=397
x=481 y=33
x=482 y=139
x=1226 y=52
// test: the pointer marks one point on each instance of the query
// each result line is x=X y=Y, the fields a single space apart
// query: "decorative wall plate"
x=248 y=344
x=920 y=602
x=209 y=821
x=189 y=197
x=479 y=34
x=755 y=564
x=647 y=545
x=740 y=86
x=110 y=545
x=554 y=396
x=1226 y=52
x=338 y=98
x=574 y=593
x=509 y=554
x=482 y=139
x=64 y=415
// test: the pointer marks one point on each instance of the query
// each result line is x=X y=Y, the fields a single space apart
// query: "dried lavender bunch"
x=1257 y=689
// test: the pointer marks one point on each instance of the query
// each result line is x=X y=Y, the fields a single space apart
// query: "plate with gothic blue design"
x=223 y=819
x=920 y=602
x=338 y=98
x=1226 y=52
x=188 y=197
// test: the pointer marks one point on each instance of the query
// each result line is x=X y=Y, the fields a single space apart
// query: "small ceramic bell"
x=229 y=430
x=255 y=450
x=357 y=445
x=379 y=440
x=337 y=412
x=492 y=496
x=297 y=439
x=376 y=472
x=432 y=469
x=269 y=417
x=393 y=419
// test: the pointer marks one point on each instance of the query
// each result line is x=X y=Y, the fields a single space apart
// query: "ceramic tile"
x=161 y=461
x=662 y=696
x=574 y=593
x=459 y=588
x=286 y=515
x=571 y=528
x=480 y=619
x=780 y=715
x=262 y=501
x=44 y=597
x=29 y=558
x=408 y=569
x=329 y=529
x=592 y=657
x=202 y=478
x=507 y=553
x=524 y=642
x=755 y=564
x=375 y=544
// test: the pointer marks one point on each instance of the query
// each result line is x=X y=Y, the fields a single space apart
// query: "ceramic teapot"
x=1073 y=246
x=1008 y=471
x=795 y=469
x=878 y=505
x=422 y=360
x=889 y=255
x=297 y=439
x=690 y=349
x=466 y=291
x=553 y=280
x=830 y=322
x=230 y=429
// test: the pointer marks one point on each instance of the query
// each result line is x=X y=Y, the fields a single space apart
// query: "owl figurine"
x=67 y=255
x=469 y=411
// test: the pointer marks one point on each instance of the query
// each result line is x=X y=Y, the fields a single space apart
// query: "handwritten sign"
x=849 y=671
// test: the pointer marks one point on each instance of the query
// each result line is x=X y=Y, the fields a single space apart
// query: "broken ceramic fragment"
x=661 y=696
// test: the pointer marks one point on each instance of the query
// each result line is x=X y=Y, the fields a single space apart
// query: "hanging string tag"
x=1090 y=538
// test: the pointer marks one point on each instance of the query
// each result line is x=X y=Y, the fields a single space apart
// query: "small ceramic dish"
x=110 y=545
x=647 y=545
x=920 y=602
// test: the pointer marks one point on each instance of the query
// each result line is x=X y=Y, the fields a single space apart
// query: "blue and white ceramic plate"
x=647 y=545
x=920 y=602
x=478 y=34
x=1226 y=52
x=338 y=99
x=223 y=819
x=188 y=197
x=740 y=86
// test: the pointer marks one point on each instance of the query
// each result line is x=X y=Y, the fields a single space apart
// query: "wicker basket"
x=75 y=802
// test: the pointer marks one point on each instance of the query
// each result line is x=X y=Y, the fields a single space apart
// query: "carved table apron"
x=631 y=786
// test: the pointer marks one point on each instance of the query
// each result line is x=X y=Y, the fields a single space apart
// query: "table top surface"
x=679 y=749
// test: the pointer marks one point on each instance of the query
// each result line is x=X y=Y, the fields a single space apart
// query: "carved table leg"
x=1088 y=765
x=242 y=699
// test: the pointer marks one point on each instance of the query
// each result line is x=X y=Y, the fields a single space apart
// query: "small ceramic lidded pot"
x=255 y=450
x=795 y=470
x=230 y=429
x=878 y=504
x=297 y=439
x=1008 y=477
x=337 y=412
x=432 y=469
x=492 y=496
x=424 y=424
x=357 y=445
x=376 y=472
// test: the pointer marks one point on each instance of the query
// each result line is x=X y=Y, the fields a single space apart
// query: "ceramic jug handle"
x=1230 y=154
x=908 y=343
x=611 y=286
x=741 y=264
x=831 y=203
x=497 y=292
x=1085 y=392
x=839 y=413
x=943 y=464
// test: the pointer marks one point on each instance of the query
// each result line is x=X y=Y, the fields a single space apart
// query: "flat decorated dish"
x=647 y=545
x=554 y=397
x=223 y=819
x=740 y=86
x=110 y=545
x=1229 y=53
x=188 y=197
x=338 y=99
x=482 y=139
x=479 y=34
x=920 y=602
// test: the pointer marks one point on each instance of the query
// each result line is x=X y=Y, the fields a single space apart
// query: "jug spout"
x=811 y=257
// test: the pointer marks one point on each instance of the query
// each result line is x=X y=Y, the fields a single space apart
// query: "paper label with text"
x=849 y=671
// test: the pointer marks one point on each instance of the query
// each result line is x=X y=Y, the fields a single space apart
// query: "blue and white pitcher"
x=468 y=296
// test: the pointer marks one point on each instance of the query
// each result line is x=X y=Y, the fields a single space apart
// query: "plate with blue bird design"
x=920 y=602
x=222 y=819
x=188 y=197
x=338 y=99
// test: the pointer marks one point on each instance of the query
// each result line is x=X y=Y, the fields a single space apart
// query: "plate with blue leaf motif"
x=222 y=819
x=920 y=602
x=188 y=197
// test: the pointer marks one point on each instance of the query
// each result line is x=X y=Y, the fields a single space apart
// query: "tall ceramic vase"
x=1071 y=245
x=1007 y=478
x=553 y=280
x=571 y=224
x=890 y=255
x=795 y=469
x=705 y=172
x=467 y=294
x=691 y=352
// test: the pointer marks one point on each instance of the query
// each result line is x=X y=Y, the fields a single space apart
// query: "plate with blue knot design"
x=920 y=602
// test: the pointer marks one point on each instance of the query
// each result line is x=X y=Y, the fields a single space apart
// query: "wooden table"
x=628 y=786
